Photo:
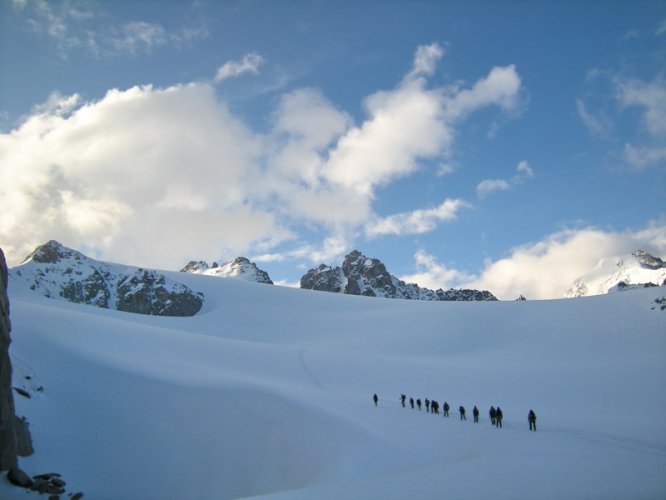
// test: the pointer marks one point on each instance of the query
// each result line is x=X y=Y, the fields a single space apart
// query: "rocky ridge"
x=638 y=270
x=240 y=268
x=59 y=272
x=360 y=275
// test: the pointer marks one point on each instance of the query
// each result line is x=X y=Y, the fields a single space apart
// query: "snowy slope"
x=267 y=392
x=629 y=271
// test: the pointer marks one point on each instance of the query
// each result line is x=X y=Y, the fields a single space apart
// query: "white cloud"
x=383 y=149
x=149 y=175
x=233 y=69
x=84 y=26
x=432 y=274
x=417 y=221
x=650 y=96
x=426 y=59
x=642 y=157
x=598 y=126
x=547 y=269
x=488 y=186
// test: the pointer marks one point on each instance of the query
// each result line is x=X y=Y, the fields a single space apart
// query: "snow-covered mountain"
x=268 y=392
x=360 y=275
x=240 y=268
x=638 y=270
x=58 y=272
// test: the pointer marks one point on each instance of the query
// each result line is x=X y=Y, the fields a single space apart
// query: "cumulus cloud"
x=417 y=221
x=434 y=275
x=488 y=186
x=545 y=269
x=149 y=175
x=548 y=268
x=233 y=69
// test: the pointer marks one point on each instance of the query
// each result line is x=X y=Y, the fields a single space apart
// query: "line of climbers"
x=496 y=415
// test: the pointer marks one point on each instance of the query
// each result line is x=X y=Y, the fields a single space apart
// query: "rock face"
x=360 y=275
x=62 y=273
x=8 y=447
x=240 y=268
x=626 y=272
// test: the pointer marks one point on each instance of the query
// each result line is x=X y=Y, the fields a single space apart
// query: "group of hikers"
x=496 y=415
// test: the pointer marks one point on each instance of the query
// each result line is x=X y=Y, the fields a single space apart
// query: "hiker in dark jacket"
x=492 y=415
x=498 y=417
x=462 y=413
x=411 y=402
x=446 y=409
x=434 y=407
x=475 y=412
x=375 y=399
x=418 y=403
x=402 y=399
x=427 y=402
x=531 y=418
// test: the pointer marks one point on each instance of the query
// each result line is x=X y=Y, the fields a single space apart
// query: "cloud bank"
x=152 y=175
x=545 y=269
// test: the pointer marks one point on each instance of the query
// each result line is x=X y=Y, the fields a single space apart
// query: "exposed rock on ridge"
x=60 y=272
x=360 y=275
x=240 y=268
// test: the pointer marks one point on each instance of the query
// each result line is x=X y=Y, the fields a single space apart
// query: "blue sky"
x=502 y=145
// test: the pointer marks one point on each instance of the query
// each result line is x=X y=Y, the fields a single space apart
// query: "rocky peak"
x=620 y=272
x=648 y=261
x=59 y=272
x=52 y=252
x=360 y=275
x=239 y=267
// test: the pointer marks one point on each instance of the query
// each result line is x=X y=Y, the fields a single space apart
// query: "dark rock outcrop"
x=648 y=261
x=146 y=292
x=8 y=448
x=360 y=275
x=60 y=272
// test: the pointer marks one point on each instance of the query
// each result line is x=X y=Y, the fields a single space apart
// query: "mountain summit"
x=640 y=269
x=360 y=275
x=240 y=267
x=59 y=272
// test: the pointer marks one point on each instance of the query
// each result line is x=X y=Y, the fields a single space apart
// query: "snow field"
x=267 y=392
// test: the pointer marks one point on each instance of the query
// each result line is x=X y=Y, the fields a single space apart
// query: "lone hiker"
x=402 y=399
x=375 y=399
x=498 y=417
x=462 y=413
x=531 y=418
x=446 y=409
x=475 y=412
x=492 y=415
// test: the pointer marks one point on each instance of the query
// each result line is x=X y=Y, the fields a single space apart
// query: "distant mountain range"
x=58 y=272
x=360 y=275
x=640 y=269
